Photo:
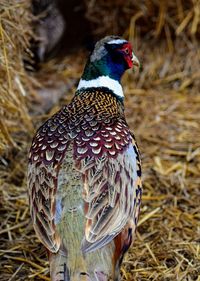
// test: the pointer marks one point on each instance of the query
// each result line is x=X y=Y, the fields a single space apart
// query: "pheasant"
x=84 y=173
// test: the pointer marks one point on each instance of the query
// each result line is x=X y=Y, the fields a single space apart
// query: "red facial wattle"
x=128 y=54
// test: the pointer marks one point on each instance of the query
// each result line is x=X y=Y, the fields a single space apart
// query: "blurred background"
x=43 y=48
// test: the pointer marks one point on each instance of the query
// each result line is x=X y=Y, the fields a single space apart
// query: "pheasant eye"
x=126 y=51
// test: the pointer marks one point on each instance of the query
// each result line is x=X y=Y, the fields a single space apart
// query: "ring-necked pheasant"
x=84 y=173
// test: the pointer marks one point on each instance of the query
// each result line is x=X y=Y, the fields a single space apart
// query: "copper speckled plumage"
x=85 y=190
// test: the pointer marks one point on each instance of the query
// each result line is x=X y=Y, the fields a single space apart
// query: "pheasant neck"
x=103 y=72
x=103 y=81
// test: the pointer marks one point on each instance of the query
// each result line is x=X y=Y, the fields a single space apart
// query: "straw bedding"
x=162 y=108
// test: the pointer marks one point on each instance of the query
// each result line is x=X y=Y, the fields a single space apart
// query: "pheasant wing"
x=112 y=191
x=46 y=154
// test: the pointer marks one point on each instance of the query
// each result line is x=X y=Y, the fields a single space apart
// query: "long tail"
x=58 y=267
x=60 y=271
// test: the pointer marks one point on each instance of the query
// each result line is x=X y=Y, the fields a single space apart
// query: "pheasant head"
x=110 y=58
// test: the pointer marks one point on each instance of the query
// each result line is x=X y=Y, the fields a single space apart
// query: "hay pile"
x=15 y=34
x=162 y=108
x=150 y=18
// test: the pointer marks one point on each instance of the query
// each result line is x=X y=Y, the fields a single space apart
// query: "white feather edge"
x=102 y=81
x=117 y=41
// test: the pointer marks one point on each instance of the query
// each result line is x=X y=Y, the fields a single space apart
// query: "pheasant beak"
x=135 y=60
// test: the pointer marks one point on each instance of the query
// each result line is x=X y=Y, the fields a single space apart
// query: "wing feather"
x=42 y=186
x=46 y=154
x=111 y=191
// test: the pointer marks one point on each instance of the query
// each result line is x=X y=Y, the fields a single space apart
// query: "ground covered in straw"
x=163 y=110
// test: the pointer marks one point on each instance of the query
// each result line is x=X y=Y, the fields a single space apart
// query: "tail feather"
x=58 y=268
x=59 y=271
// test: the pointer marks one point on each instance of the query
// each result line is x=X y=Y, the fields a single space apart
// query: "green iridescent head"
x=111 y=57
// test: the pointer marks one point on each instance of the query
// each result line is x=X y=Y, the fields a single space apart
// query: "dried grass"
x=166 y=117
x=151 y=18
x=163 y=108
x=15 y=85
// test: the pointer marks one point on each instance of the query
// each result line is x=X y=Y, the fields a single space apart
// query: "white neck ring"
x=102 y=81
